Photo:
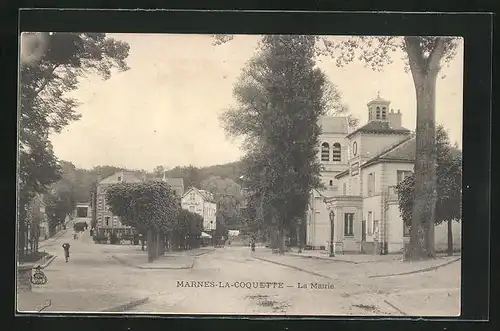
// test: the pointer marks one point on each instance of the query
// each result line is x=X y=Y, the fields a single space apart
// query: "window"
x=371 y=183
x=384 y=112
x=191 y=196
x=191 y=209
x=336 y=152
x=325 y=152
x=344 y=189
x=406 y=230
x=331 y=182
x=402 y=175
x=107 y=221
x=348 y=224
x=370 y=223
x=81 y=212
x=119 y=178
x=378 y=113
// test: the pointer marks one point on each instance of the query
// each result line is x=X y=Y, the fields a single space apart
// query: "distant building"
x=82 y=210
x=106 y=221
x=202 y=203
x=177 y=184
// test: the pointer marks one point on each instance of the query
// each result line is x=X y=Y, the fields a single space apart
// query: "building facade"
x=361 y=184
x=106 y=222
x=203 y=203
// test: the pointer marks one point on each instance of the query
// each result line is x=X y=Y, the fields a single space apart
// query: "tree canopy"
x=449 y=183
x=144 y=205
x=51 y=66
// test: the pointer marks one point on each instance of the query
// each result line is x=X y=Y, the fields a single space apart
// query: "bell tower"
x=378 y=109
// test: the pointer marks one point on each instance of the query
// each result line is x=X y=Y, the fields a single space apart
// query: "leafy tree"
x=425 y=57
x=280 y=96
x=187 y=229
x=158 y=171
x=51 y=64
x=227 y=194
x=145 y=205
x=449 y=184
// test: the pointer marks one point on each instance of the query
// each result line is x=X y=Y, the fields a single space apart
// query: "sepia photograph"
x=221 y=174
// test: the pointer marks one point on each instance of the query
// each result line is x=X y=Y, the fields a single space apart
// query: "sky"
x=165 y=109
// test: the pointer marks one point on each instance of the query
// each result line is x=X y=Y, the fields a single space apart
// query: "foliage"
x=159 y=171
x=280 y=96
x=449 y=183
x=51 y=64
x=188 y=224
x=191 y=175
x=227 y=193
x=144 y=205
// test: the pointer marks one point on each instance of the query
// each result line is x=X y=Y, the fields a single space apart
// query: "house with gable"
x=203 y=203
x=363 y=195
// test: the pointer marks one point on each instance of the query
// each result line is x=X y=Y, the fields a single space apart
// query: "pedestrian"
x=66 y=247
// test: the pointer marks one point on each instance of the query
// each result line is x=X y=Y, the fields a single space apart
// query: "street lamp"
x=332 y=223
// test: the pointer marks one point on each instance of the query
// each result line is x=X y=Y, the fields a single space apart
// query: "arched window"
x=325 y=152
x=384 y=112
x=336 y=152
x=378 y=113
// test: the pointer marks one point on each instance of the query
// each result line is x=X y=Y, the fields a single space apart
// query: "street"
x=233 y=280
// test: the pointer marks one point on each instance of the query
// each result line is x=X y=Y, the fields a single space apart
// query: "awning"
x=205 y=235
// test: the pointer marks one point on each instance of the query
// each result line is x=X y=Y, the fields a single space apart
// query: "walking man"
x=66 y=247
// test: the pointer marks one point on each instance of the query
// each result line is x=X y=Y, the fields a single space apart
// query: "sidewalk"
x=71 y=301
x=350 y=258
x=361 y=265
x=139 y=260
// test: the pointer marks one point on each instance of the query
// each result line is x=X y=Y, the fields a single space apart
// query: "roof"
x=175 y=181
x=207 y=196
x=378 y=99
x=403 y=151
x=127 y=176
x=334 y=124
x=379 y=127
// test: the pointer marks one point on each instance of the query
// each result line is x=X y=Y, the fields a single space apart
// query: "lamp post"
x=332 y=232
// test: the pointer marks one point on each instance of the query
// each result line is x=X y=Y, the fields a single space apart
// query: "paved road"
x=217 y=284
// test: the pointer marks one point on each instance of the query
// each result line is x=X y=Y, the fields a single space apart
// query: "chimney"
x=394 y=119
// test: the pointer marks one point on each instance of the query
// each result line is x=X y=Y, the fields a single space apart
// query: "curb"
x=151 y=268
x=49 y=261
x=417 y=271
x=126 y=306
x=322 y=258
x=292 y=267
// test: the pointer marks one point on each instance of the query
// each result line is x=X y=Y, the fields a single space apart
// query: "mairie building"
x=360 y=170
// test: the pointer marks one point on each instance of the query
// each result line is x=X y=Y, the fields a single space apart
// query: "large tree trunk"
x=150 y=245
x=425 y=191
x=450 y=238
x=424 y=72
x=281 y=236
